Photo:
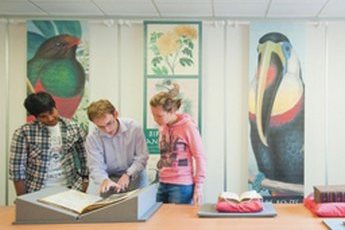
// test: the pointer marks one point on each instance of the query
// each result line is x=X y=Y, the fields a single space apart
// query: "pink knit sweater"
x=179 y=144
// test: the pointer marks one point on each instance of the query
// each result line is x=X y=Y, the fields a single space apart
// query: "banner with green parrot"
x=58 y=63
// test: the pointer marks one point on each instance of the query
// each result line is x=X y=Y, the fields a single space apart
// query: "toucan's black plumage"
x=276 y=115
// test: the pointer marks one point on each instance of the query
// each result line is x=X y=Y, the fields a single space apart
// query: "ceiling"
x=213 y=9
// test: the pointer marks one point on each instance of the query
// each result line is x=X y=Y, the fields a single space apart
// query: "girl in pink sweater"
x=179 y=143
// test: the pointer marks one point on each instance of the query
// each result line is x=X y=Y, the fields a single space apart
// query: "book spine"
x=326 y=197
x=338 y=197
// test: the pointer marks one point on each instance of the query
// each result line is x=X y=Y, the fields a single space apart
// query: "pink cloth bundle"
x=332 y=209
x=254 y=205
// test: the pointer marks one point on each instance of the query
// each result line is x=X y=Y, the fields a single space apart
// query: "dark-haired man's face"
x=49 y=118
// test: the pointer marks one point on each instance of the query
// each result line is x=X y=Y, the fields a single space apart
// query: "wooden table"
x=184 y=217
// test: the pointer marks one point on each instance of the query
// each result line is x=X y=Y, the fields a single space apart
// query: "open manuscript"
x=80 y=202
x=245 y=196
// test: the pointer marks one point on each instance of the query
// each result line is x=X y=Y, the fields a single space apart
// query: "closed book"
x=329 y=193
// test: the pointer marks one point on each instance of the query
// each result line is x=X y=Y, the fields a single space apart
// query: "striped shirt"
x=29 y=154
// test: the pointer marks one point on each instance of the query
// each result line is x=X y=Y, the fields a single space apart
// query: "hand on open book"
x=123 y=182
x=107 y=184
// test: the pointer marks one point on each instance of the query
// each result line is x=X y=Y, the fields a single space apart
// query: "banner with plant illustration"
x=58 y=63
x=172 y=59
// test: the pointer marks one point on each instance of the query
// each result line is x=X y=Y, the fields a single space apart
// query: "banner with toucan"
x=276 y=111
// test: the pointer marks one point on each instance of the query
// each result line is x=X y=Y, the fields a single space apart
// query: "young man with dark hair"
x=48 y=152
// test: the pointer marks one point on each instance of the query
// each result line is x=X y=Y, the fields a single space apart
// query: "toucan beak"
x=270 y=73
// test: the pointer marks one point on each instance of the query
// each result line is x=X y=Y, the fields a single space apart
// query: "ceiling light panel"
x=19 y=7
x=295 y=8
x=69 y=7
x=334 y=8
x=127 y=7
x=240 y=8
x=185 y=8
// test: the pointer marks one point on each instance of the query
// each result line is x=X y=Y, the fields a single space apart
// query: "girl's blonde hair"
x=168 y=100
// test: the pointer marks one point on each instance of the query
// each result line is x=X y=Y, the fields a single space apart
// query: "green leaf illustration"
x=187 y=52
x=191 y=44
x=155 y=61
x=186 y=62
x=154 y=37
x=34 y=42
x=164 y=70
x=46 y=28
x=160 y=71
x=154 y=50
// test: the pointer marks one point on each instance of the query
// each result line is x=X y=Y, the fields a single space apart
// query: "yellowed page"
x=71 y=199
x=229 y=196
x=249 y=195
x=114 y=198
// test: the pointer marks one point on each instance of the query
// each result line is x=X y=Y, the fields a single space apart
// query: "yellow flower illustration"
x=168 y=44
x=186 y=31
x=173 y=48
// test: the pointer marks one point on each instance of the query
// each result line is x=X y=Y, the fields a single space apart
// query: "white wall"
x=3 y=105
x=17 y=86
x=104 y=60
x=213 y=109
x=236 y=101
x=336 y=103
x=116 y=73
x=315 y=107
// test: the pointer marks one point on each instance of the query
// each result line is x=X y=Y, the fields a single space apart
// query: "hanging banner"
x=58 y=63
x=172 y=59
x=276 y=111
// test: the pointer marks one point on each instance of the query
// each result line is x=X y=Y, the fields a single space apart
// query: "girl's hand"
x=197 y=196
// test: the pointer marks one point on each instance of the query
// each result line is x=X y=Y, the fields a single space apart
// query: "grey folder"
x=209 y=210
x=335 y=224
x=138 y=207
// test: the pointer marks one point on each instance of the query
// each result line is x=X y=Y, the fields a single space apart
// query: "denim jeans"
x=175 y=193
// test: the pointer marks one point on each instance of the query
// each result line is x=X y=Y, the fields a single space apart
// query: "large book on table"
x=80 y=202
x=59 y=206
x=329 y=193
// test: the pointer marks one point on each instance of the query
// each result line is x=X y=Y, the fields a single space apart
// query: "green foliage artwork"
x=172 y=48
